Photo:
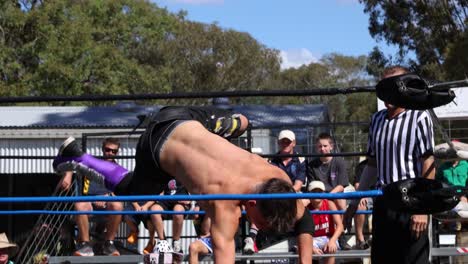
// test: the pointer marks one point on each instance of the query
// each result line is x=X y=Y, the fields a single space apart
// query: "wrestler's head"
x=273 y=214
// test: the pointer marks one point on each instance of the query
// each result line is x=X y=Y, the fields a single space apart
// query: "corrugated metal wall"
x=49 y=147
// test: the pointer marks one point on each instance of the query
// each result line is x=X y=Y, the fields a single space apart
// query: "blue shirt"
x=295 y=168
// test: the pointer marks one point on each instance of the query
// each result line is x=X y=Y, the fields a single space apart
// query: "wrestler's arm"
x=304 y=235
x=224 y=223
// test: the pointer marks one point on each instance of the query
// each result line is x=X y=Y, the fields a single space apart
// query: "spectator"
x=87 y=187
x=295 y=167
x=400 y=147
x=328 y=228
x=177 y=219
x=7 y=249
x=110 y=148
x=364 y=204
x=329 y=170
x=202 y=245
x=455 y=173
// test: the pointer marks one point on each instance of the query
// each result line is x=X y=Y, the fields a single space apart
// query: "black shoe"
x=70 y=148
x=84 y=249
x=362 y=245
x=109 y=249
x=343 y=244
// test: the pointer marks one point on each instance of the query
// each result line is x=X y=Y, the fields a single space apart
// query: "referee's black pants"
x=392 y=241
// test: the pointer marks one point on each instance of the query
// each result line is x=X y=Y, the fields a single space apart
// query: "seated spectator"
x=328 y=228
x=7 y=249
x=295 y=167
x=87 y=187
x=202 y=245
x=133 y=221
x=177 y=220
x=455 y=173
x=331 y=171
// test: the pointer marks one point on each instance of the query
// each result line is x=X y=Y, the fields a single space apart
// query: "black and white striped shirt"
x=398 y=144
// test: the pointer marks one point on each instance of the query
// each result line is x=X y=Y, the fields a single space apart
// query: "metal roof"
x=124 y=115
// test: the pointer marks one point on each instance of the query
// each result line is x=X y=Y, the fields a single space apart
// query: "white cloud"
x=198 y=2
x=295 y=58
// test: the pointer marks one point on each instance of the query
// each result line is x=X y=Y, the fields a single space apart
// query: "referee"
x=400 y=146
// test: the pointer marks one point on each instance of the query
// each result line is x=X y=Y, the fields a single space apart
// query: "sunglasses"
x=114 y=151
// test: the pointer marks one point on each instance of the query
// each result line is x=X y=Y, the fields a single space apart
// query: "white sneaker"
x=249 y=247
x=177 y=246
x=162 y=247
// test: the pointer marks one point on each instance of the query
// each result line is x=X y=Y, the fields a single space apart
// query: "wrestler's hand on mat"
x=137 y=207
x=349 y=214
x=418 y=225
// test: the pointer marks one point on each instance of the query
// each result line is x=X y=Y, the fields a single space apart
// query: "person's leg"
x=177 y=224
x=249 y=242
x=329 y=260
x=359 y=220
x=112 y=227
x=151 y=241
x=82 y=221
x=205 y=226
x=84 y=247
x=195 y=249
x=157 y=221
x=131 y=223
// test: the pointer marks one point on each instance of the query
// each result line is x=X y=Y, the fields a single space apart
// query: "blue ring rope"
x=23 y=212
x=194 y=197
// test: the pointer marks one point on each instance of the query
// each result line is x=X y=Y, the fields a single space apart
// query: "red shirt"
x=324 y=224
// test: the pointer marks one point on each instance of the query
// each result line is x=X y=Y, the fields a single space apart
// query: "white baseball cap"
x=287 y=134
x=316 y=185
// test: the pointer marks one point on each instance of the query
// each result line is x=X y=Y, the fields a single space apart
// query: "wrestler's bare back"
x=208 y=164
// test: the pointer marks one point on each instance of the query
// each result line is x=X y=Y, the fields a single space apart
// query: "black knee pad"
x=227 y=127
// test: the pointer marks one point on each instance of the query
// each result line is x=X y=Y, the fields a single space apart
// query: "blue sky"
x=303 y=30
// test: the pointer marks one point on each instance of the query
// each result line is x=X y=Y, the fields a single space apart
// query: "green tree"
x=83 y=47
x=432 y=30
x=205 y=57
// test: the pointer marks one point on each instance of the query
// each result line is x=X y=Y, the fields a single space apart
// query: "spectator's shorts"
x=207 y=242
x=322 y=241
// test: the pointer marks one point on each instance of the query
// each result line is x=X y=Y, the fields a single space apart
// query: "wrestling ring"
x=61 y=203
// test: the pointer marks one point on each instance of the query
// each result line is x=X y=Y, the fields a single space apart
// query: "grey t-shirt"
x=331 y=174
